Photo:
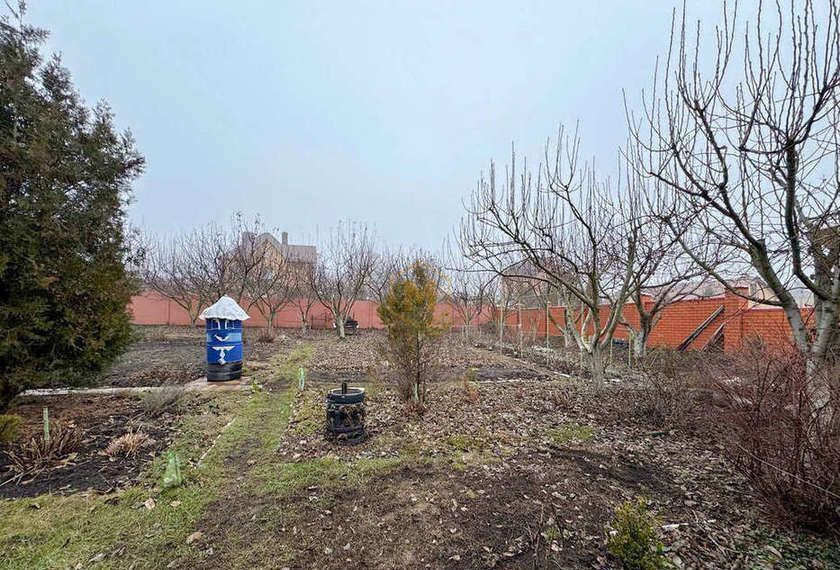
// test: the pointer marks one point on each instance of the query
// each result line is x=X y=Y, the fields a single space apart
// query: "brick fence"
x=150 y=308
x=732 y=320
x=728 y=320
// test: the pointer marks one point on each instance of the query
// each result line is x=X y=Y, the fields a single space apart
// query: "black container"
x=224 y=372
x=346 y=414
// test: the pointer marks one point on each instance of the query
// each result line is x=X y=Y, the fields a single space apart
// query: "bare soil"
x=100 y=418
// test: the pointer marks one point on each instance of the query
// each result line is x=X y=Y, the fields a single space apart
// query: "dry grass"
x=40 y=452
x=161 y=401
x=127 y=444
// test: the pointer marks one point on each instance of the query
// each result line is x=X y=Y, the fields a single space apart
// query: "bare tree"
x=750 y=153
x=302 y=295
x=343 y=269
x=167 y=270
x=270 y=284
x=389 y=264
x=566 y=225
x=662 y=272
x=466 y=286
x=224 y=257
x=195 y=268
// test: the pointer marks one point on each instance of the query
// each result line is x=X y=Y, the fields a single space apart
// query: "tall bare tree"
x=167 y=270
x=302 y=296
x=663 y=273
x=389 y=264
x=270 y=284
x=567 y=225
x=467 y=288
x=347 y=259
x=225 y=257
x=749 y=150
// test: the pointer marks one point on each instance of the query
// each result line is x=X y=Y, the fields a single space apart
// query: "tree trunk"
x=640 y=339
x=270 y=327
x=595 y=357
x=339 y=325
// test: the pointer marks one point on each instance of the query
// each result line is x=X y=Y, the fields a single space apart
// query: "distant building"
x=298 y=256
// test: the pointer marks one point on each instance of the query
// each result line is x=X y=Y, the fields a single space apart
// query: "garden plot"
x=164 y=359
x=516 y=473
x=96 y=421
x=359 y=358
x=504 y=474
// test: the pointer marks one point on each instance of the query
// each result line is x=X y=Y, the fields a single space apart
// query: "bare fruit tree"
x=225 y=257
x=167 y=271
x=750 y=151
x=347 y=259
x=195 y=268
x=302 y=296
x=466 y=287
x=270 y=284
x=389 y=264
x=567 y=225
x=663 y=273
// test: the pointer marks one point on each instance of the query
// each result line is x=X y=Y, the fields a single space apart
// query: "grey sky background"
x=306 y=113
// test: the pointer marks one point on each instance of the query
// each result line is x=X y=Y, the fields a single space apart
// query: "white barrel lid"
x=224 y=308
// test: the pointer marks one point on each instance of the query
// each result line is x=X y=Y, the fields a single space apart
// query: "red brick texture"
x=739 y=319
x=150 y=308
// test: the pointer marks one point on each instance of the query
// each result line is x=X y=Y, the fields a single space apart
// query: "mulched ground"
x=514 y=475
x=101 y=418
x=360 y=357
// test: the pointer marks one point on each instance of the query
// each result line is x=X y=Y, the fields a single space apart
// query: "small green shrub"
x=9 y=428
x=571 y=433
x=408 y=312
x=633 y=539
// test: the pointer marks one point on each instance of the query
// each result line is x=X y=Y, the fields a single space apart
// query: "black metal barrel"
x=346 y=414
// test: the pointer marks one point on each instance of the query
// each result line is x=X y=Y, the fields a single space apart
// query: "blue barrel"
x=224 y=349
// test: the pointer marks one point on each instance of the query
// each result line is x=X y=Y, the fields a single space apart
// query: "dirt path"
x=238 y=526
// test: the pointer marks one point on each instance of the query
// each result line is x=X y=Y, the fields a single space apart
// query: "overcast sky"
x=309 y=112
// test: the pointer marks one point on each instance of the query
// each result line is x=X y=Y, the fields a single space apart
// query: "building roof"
x=289 y=252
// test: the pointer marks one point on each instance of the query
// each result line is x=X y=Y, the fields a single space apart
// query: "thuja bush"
x=781 y=429
x=632 y=537
x=65 y=180
x=408 y=313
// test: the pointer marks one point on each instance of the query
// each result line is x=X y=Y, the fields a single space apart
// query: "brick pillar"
x=733 y=314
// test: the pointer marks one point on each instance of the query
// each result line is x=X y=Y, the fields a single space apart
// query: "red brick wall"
x=678 y=320
x=739 y=320
x=149 y=308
